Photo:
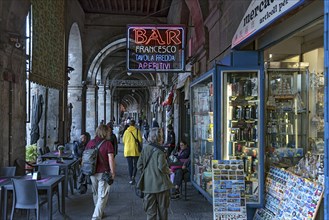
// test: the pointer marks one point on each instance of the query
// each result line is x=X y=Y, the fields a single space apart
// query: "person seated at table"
x=78 y=151
x=178 y=178
x=79 y=146
x=179 y=158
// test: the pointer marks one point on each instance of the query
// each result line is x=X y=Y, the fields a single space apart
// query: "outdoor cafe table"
x=63 y=165
x=47 y=183
x=66 y=155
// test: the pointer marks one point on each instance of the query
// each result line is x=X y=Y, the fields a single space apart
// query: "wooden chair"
x=25 y=197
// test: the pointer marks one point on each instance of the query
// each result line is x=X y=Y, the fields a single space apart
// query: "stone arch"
x=101 y=55
x=75 y=55
x=74 y=87
x=197 y=13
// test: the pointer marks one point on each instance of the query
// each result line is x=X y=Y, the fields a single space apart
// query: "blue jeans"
x=132 y=166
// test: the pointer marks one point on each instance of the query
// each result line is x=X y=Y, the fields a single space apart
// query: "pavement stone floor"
x=123 y=204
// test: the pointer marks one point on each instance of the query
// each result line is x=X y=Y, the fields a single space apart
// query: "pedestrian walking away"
x=100 y=188
x=155 y=182
x=131 y=151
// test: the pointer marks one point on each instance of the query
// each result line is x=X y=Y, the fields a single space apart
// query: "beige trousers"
x=100 y=195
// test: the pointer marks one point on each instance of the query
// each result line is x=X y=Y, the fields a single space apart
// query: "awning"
x=259 y=15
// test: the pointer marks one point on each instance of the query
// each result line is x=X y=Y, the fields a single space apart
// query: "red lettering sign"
x=154 y=36
x=155 y=48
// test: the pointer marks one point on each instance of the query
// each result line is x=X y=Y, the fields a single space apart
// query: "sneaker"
x=132 y=182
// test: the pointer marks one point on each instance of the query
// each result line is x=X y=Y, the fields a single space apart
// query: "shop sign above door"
x=259 y=15
x=155 y=48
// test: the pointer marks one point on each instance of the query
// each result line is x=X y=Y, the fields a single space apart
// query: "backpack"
x=89 y=160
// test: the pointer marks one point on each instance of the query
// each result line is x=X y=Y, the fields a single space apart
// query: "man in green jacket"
x=155 y=182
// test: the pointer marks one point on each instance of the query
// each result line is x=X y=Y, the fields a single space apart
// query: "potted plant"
x=31 y=153
x=60 y=150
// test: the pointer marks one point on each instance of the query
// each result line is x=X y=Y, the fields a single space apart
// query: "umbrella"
x=36 y=116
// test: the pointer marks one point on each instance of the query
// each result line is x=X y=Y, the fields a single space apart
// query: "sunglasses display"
x=229 y=190
x=289 y=196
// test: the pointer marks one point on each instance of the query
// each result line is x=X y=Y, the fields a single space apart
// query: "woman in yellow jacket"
x=131 y=151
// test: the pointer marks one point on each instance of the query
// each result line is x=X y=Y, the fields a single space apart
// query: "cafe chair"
x=186 y=179
x=50 y=171
x=47 y=150
x=26 y=197
x=7 y=171
x=69 y=147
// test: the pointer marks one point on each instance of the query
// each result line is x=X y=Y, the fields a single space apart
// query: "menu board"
x=289 y=196
x=229 y=200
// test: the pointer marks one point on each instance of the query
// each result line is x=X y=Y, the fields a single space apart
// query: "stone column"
x=90 y=111
x=109 y=106
x=75 y=98
x=101 y=104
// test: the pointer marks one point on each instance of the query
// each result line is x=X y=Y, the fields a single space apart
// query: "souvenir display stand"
x=289 y=196
x=241 y=97
x=286 y=113
x=241 y=125
x=229 y=201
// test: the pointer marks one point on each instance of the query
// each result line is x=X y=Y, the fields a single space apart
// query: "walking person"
x=113 y=138
x=78 y=149
x=131 y=151
x=146 y=127
x=155 y=184
x=101 y=188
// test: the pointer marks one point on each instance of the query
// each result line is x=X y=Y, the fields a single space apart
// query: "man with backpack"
x=104 y=163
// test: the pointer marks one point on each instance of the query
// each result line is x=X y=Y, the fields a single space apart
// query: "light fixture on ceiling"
x=129 y=73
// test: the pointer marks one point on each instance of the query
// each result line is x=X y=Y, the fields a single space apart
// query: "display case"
x=241 y=126
x=202 y=138
x=286 y=113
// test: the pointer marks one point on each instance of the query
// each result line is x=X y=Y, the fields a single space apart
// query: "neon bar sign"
x=155 y=48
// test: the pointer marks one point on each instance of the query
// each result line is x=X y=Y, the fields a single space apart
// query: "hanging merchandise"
x=169 y=99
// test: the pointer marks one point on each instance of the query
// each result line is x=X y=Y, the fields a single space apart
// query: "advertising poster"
x=229 y=200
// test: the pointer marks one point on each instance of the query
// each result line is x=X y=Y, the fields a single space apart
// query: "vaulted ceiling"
x=156 y=8
x=123 y=83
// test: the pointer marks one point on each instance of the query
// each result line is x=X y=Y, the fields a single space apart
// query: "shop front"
x=293 y=111
x=270 y=111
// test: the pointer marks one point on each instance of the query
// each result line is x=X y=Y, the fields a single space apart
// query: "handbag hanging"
x=139 y=144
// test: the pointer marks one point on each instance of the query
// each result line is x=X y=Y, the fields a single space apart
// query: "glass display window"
x=202 y=138
x=286 y=113
x=240 y=103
